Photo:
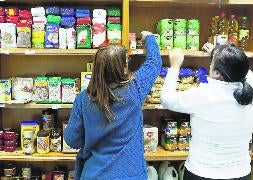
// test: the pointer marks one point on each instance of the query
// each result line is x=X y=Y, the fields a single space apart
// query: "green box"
x=165 y=26
x=180 y=42
x=166 y=41
x=83 y=36
x=192 y=43
x=193 y=27
x=180 y=27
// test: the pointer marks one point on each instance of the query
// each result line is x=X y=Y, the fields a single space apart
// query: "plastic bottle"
x=222 y=38
x=244 y=33
x=214 y=31
x=233 y=30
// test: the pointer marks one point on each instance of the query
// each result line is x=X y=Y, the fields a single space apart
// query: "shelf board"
x=33 y=105
x=30 y=51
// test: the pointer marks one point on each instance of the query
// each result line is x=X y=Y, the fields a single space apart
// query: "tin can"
x=9 y=170
x=43 y=142
x=27 y=172
x=169 y=142
x=180 y=27
x=192 y=43
x=182 y=143
x=184 y=128
x=165 y=26
x=180 y=42
x=28 y=142
x=171 y=128
x=166 y=41
x=55 y=140
x=193 y=27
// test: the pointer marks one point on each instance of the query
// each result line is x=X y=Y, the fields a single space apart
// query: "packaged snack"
x=192 y=43
x=38 y=11
x=54 y=19
x=98 y=35
x=5 y=90
x=193 y=27
x=81 y=21
x=27 y=22
x=82 y=13
x=99 y=13
x=150 y=138
x=85 y=79
x=12 y=19
x=67 y=11
x=11 y=11
x=2 y=92
x=53 y=10
x=2 y=19
x=62 y=38
x=98 y=21
x=113 y=20
x=23 y=36
x=169 y=142
x=180 y=27
x=83 y=36
x=52 y=35
x=41 y=90
x=180 y=41
x=71 y=38
x=25 y=14
x=200 y=72
x=40 y=20
x=114 y=33
x=113 y=11
x=68 y=90
x=2 y=13
x=68 y=21
x=38 y=35
x=132 y=40
x=166 y=41
x=165 y=26
x=8 y=35
x=22 y=88
x=54 y=88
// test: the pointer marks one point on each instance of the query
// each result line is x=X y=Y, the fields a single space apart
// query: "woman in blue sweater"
x=106 y=122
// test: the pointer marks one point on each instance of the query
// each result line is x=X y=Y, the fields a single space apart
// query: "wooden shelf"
x=33 y=105
x=26 y=51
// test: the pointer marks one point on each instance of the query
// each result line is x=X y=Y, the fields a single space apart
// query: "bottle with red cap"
x=233 y=30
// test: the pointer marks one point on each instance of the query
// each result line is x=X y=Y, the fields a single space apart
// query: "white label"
x=56 y=106
x=138 y=51
x=29 y=52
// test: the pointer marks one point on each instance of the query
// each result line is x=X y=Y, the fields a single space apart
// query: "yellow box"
x=85 y=80
x=29 y=125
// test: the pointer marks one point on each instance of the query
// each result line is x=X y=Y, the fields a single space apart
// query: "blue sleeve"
x=74 y=132
x=150 y=69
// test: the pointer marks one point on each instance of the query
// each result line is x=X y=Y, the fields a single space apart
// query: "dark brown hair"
x=109 y=72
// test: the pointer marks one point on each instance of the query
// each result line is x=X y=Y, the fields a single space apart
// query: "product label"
x=43 y=144
x=55 y=145
x=222 y=40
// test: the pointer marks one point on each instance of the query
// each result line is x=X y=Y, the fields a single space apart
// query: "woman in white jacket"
x=221 y=115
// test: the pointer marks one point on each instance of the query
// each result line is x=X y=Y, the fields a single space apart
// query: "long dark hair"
x=233 y=65
x=109 y=72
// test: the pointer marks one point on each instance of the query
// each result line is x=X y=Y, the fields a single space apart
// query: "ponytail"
x=244 y=96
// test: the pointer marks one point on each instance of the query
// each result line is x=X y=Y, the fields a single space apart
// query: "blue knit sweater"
x=114 y=151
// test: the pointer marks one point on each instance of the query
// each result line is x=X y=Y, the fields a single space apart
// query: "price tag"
x=3 y=51
x=56 y=106
x=138 y=51
x=29 y=52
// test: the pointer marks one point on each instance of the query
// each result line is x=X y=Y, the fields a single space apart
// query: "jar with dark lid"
x=55 y=140
x=47 y=120
x=43 y=142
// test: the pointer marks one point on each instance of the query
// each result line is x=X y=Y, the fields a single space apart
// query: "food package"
x=113 y=11
x=99 y=13
x=52 y=35
x=41 y=90
x=12 y=19
x=114 y=33
x=40 y=20
x=114 y=20
x=2 y=19
x=5 y=90
x=2 y=13
x=25 y=14
x=38 y=35
x=71 y=38
x=68 y=90
x=85 y=79
x=54 y=88
x=53 y=10
x=29 y=125
x=180 y=41
x=67 y=11
x=165 y=26
x=98 y=35
x=11 y=11
x=82 y=13
x=98 y=21
x=62 y=38
x=68 y=21
x=83 y=36
x=150 y=135
x=192 y=43
x=23 y=36
x=81 y=21
x=132 y=40
x=8 y=35
x=53 y=19
x=38 y=11
x=27 y=22
x=22 y=88
x=65 y=147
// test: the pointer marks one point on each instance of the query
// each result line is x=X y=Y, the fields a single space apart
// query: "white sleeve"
x=184 y=101
x=250 y=78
